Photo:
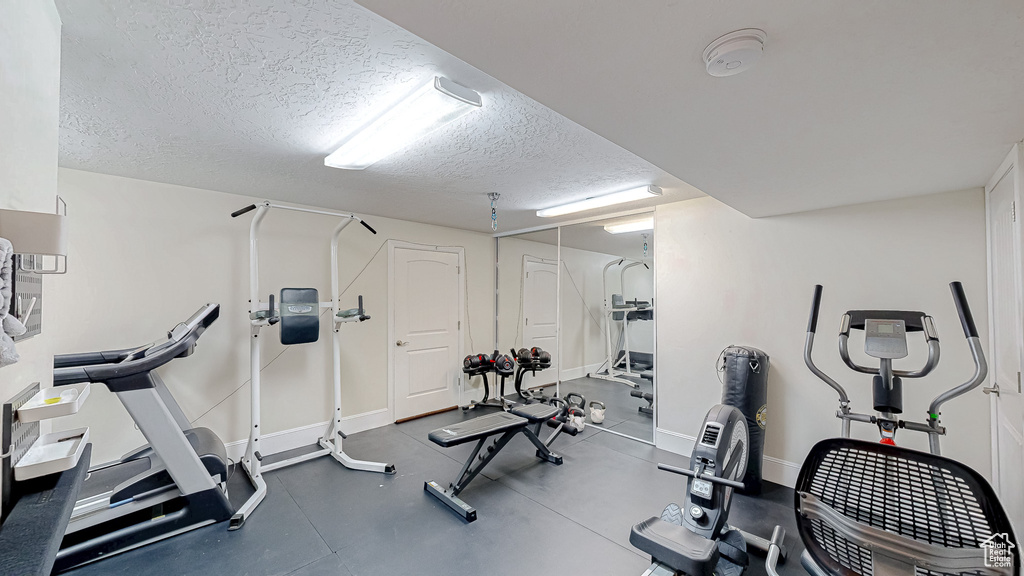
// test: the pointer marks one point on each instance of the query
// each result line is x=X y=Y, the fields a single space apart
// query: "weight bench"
x=502 y=425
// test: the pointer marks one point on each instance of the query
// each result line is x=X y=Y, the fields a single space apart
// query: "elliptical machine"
x=885 y=338
x=695 y=539
x=867 y=508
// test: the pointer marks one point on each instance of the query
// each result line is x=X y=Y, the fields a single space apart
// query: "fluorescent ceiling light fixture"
x=635 y=226
x=431 y=106
x=601 y=201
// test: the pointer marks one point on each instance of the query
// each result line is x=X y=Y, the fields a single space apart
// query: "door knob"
x=400 y=343
x=992 y=390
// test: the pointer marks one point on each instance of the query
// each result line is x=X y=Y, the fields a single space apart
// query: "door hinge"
x=460 y=324
x=527 y=322
x=1013 y=210
x=458 y=269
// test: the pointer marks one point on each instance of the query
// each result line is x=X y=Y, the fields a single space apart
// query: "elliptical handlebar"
x=812 y=322
x=963 y=310
x=980 y=364
x=812 y=325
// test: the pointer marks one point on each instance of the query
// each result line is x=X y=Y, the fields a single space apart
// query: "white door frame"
x=461 y=252
x=1014 y=162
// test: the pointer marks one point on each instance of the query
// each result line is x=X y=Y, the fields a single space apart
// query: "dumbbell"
x=540 y=356
x=475 y=362
x=504 y=365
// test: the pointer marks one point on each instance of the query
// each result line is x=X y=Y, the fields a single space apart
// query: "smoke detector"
x=735 y=52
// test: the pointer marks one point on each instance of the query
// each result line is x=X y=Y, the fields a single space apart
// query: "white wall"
x=29 y=109
x=145 y=255
x=727 y=279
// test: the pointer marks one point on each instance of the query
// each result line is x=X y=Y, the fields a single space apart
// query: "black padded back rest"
x=617 y=300
x=914 y=494
x=300 y=315
x=913 y=320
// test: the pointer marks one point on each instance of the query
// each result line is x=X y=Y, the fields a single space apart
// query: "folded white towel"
x=9 y=325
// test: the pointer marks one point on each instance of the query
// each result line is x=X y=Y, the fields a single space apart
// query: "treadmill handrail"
x=106 y=372
x=90 y=358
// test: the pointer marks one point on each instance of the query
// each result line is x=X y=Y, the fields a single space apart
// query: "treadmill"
x=175 y=483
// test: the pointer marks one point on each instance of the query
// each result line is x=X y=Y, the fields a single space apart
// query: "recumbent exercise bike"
x=695 y=538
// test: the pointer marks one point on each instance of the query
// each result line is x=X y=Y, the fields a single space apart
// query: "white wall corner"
x=53 y=14
x=309 y=435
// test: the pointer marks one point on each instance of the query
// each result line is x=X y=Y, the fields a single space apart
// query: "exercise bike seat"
x=536 y=412
x=675 y=546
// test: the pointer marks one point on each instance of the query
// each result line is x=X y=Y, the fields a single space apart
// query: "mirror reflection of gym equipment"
x=595 y=313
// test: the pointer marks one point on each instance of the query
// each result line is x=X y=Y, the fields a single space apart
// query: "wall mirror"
x=585 y=293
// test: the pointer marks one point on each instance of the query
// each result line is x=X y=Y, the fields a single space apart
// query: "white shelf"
x=69 y=400
x=52 y=453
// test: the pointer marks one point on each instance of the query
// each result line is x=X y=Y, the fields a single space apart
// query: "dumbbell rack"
x=487 y=402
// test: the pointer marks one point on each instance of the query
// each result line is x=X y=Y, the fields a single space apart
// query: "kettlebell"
x=597 y=412
x=576 y=400
x=577 y=418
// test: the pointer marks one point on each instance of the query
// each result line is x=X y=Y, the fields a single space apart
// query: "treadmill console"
x=885 y=338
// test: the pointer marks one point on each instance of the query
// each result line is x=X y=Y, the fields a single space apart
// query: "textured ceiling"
x=251 y=99
x=853 y=101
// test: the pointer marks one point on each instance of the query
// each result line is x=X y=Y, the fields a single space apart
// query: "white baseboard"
x=284 y=440
x=674 y=441
x=579 y=371
x=780 y=471
x=773 y=469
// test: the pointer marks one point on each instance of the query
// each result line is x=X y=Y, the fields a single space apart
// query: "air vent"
x=710 y=435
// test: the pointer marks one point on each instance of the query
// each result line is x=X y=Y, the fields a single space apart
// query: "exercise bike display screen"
x=701 y=488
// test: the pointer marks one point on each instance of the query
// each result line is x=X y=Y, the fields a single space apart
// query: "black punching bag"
x=745 y=380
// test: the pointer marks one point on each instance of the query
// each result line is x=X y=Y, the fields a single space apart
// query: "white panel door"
x=426 y=329
x=1007 y=345
x=540 y=293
